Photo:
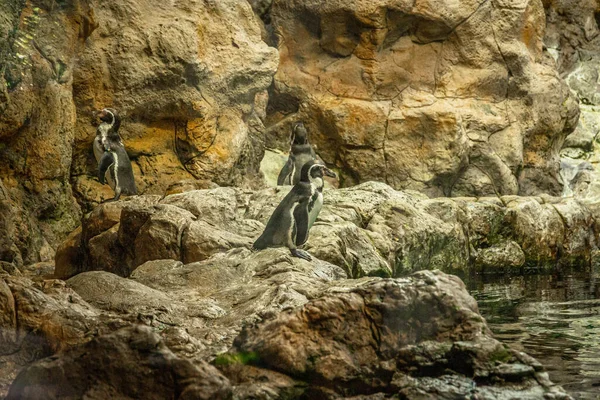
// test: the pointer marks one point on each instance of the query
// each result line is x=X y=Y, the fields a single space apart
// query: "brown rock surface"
x=450 y=98
x=368 y=230
x=573 y=37
x=131 y=363
x=189 y=79
x=186 y=77
x=416 y=338
x=309 y=332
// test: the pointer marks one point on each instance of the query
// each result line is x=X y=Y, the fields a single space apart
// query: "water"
x=556 y=319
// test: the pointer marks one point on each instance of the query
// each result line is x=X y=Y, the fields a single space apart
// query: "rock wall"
x=37 y=125
x=449 y=98
x=189 y=79
x=573 y=37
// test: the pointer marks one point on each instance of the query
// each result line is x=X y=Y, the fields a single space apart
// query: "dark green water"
x=554 y=318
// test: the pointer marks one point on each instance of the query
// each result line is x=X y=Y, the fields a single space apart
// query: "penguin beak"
x=329 y=172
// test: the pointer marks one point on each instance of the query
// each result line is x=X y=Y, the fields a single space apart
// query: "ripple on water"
x=556 y=319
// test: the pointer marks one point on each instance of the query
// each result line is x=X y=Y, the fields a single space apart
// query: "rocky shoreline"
x=277 y=326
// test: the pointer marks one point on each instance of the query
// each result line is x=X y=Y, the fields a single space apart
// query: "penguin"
x=301 y=152
x=111 y=156
x=291 y=221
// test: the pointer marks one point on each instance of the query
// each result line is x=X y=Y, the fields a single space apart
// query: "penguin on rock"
x=114 y=165
x=291 y=221
x=301 y=152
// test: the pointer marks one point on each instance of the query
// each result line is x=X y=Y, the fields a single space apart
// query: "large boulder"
x=450 y=98
x=132 y=363
x=420 y=337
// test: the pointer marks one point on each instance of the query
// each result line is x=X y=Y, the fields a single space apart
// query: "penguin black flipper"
x=301 y=213
x=286 y=172
x=106 y=161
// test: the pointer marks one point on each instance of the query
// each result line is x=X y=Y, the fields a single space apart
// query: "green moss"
x=501 y=356
x=236 y=358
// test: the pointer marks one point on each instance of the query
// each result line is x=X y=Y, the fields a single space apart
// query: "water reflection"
x=554 y=318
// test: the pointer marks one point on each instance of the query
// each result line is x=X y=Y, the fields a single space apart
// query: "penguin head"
x=110 y=116
x=313 y=172
x=299 y=134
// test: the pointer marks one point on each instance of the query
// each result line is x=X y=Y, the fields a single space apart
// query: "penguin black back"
x=291 y=221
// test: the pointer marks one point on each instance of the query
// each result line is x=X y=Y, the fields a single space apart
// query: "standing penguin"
x=301 y=152
x=111 y=155
x=295 y=215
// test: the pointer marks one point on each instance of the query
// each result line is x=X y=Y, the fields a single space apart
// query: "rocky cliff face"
x=188 y=78
x=449 y=98
x=573 y=37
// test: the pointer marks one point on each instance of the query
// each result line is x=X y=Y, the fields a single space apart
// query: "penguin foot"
x=301 y=254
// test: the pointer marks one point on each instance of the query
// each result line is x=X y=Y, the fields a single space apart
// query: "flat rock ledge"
x=367 y=230
x=297 y=329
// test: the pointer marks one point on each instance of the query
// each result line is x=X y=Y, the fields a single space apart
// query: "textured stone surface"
x=573 y=37
x=451 y=98
x=131 y=363
x=186 y=77
x=189 y=79
x=368 y=230
x=308 y=332
x=383 y=336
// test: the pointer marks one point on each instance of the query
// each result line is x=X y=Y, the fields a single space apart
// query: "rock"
x=188 y=79
x=454 y=99
x=68 y=256
x=350 y=247
x=130 y=363
x=572 y=35
x=368 y=230
x=502 y=256
x=112 y=293
x=416 y=240
x=8 y=319
x=408 y=336
x=39 y=271
x=37 y=118
x=191 y=106
x=9 y=268
x=39 y=319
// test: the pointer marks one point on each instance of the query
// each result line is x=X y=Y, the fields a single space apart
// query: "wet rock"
x=502 y=256
x=130 y=363
x=407 y=336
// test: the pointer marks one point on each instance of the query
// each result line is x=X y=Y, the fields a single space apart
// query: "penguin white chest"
x=315 y=210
